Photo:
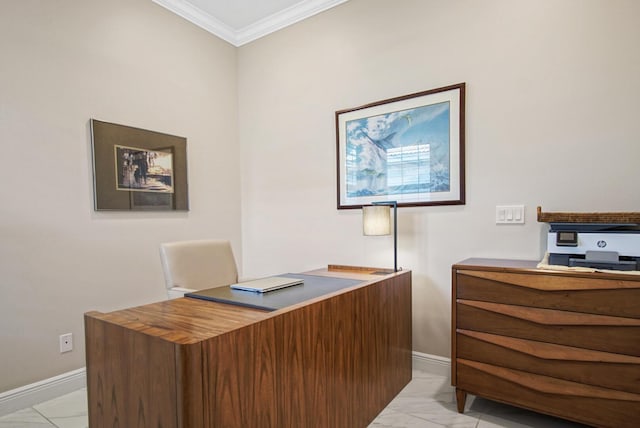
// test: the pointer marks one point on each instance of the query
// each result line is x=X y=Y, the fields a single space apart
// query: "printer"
x=595 y=245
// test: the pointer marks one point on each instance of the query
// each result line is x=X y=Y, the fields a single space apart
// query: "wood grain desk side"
x=334 y=361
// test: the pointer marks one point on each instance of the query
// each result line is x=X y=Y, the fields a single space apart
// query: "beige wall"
x=551 y=120
x=552 y=90
x=125 y=61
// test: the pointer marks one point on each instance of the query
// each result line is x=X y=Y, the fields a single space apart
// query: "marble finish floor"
x=428 y=401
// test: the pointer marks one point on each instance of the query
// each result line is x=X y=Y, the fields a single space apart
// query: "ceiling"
x=242 y=21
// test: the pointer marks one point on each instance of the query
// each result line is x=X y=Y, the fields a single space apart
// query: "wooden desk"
x=334 y=361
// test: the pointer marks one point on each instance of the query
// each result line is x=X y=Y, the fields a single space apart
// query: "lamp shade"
x=376 y=220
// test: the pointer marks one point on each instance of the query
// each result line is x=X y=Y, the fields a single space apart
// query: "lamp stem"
x=395 y=236
x=393 y=204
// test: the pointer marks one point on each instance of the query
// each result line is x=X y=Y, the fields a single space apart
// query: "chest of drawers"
x=560 y=343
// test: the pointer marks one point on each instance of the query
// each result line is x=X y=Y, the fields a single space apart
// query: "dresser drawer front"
x=602 y=369
x=622 y=339
x=554 y=292
x=581 y=403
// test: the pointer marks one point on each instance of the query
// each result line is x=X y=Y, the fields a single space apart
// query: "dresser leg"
x=461 y=398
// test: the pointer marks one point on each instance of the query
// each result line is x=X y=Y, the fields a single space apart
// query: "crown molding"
x=261 y=28
x=200 y=18
x=284 y=18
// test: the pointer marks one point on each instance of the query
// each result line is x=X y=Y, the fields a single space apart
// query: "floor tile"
x=502 y=415
x=428 y=401
x=26 y=418
x=393 y=419
x=66 y=411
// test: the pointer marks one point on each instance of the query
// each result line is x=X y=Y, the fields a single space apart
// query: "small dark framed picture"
x=138 y=170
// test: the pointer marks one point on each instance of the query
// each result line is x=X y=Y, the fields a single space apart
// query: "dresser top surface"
x=497 y=263
x=530 y=266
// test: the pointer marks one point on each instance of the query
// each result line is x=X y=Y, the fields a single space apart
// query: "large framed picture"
x=137 y=169
x=409 y=149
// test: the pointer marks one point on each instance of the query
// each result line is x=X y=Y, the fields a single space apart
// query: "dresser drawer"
x=615 y=371
x=563 y=292
x=582 y=403
x=596 y=332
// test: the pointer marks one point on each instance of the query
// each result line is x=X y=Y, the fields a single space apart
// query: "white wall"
x=130 y=62
x=552 y=90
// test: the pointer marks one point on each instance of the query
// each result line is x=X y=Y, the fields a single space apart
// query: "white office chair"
x=197 y=265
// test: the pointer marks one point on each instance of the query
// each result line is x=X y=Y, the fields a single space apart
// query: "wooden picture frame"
x=409 y=149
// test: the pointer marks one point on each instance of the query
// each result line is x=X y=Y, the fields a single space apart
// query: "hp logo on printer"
x=602 y=244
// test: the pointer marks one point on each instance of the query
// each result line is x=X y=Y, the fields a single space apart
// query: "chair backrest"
x=197 y=265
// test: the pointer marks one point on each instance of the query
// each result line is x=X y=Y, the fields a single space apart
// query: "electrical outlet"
x=66 y=342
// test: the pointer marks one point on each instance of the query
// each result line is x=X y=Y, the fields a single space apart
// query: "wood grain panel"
x=242 y=377
x=594 y=297
x=183 y=320
x=552 y=282
x=332 y=361
x=304 y=355
x=580 y=403
x=455 y=278
x=623 y=340
x=561 y=343
x=384 y=344
x=343 y=359
x=629 y=217
x=552 y=316
x=358 y=269
x=119 y=395
x=616 y=371
x=190 y=386
x=551 y=385
x=529 y=267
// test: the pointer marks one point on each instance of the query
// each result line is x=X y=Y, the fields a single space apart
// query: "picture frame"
x=409 y=149
x=138 y=170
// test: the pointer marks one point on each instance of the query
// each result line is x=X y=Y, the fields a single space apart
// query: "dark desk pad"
x=313 y=286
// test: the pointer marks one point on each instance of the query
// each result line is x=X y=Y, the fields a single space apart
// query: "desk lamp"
x=376 y=221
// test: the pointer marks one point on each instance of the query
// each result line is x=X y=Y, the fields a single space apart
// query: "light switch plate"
x=510 y=214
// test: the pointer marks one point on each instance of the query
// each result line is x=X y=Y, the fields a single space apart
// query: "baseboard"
x=433 y=364
x=44 y=390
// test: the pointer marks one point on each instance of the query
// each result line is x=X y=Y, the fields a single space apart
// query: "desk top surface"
x=313 y=286
x=188 y=320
